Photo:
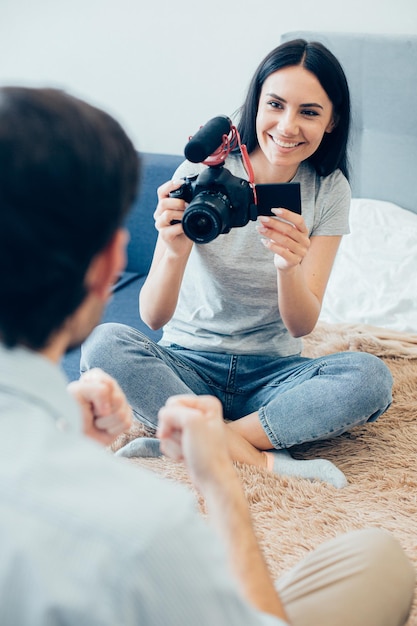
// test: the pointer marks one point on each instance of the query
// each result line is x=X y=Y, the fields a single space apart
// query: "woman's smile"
x=285 y=143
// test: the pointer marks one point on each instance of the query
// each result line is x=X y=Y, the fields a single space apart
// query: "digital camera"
x=218 y=200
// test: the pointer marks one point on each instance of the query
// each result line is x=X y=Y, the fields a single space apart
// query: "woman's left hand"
x=286 y=235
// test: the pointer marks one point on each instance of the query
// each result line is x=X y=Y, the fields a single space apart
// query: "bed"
x=370 y=305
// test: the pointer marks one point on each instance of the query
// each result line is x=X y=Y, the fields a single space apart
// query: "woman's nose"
x=287 y=123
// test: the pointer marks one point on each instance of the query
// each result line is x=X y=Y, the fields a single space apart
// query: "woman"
x=233 y=310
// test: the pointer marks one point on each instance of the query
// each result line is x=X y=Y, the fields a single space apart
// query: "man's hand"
x=191 y=428
x=105 y=411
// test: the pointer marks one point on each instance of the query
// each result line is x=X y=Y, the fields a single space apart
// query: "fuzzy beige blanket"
x=291 y=515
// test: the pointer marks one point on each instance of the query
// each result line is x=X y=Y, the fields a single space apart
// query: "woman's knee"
x=371 y=383
x=110 y=343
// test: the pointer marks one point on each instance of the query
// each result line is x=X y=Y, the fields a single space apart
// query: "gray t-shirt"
x=228 y=297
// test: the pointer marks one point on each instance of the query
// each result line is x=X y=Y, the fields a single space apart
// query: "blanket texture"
x=292 y=516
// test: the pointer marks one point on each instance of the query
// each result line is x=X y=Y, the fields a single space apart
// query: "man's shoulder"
x=74 y=484
x=116 y=495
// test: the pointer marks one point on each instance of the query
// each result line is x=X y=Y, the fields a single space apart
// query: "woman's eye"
x=309 y=113
x=274 y=104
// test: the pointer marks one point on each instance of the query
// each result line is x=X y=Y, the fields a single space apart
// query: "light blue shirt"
x=87 y=539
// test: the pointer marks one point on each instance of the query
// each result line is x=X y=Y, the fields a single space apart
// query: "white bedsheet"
x=374 y=278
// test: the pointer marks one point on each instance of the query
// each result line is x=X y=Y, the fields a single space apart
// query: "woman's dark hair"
x=68 y=175
x=317 y=59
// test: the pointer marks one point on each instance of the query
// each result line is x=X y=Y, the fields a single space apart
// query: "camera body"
x=218 y=201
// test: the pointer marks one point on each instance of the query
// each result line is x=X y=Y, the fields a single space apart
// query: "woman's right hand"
x=159 y=294
x=168 y=216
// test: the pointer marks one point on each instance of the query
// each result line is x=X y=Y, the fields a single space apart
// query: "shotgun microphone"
x=207 y=139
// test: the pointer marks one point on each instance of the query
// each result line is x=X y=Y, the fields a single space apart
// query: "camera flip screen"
x=278 y=196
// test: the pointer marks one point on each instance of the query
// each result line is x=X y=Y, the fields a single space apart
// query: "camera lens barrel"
x=201 y=226
x=206 y=217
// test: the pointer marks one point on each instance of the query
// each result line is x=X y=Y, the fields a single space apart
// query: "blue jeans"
x=298 y=399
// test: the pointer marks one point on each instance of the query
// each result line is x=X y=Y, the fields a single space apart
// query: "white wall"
x=162 y=67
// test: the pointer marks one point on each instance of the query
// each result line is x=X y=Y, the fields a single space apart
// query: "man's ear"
x=107 y=266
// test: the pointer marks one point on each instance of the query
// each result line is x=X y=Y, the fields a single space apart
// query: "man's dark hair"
x=68 y=176
x=317 y=59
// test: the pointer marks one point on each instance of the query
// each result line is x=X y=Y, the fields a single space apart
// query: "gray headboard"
x=382 y=74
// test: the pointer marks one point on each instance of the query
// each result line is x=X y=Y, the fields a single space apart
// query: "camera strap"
x=229 y=143
x=248 y=167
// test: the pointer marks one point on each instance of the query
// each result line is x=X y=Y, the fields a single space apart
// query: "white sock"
x=281 y=462
x=140 y=447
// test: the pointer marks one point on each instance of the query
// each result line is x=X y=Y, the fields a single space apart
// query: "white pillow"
x=374 y=277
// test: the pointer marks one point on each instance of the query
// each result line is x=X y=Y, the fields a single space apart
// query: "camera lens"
x=206 y=217
x=200 y=225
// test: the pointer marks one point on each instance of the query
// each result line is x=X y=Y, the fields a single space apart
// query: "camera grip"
x=177 y=193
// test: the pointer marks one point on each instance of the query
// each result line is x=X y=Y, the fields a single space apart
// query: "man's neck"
x=56 y=348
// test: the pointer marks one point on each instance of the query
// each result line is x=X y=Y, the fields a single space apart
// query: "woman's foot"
x=140 y=447
x=281 y=462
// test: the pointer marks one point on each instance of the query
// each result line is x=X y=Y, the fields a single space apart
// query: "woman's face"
x=294 y=113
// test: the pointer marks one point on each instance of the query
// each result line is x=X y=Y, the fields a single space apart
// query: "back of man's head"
x=68 y=175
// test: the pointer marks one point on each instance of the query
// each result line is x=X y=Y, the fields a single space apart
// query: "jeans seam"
x=275 y=442
x=143 y=420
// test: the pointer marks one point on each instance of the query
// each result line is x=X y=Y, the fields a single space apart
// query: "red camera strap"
x=229 y=142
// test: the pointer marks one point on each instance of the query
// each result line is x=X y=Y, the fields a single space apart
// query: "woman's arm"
x=301 y=292
x=303 y=268
x=159 y=294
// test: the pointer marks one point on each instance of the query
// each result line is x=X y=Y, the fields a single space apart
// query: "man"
x=86 y=539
